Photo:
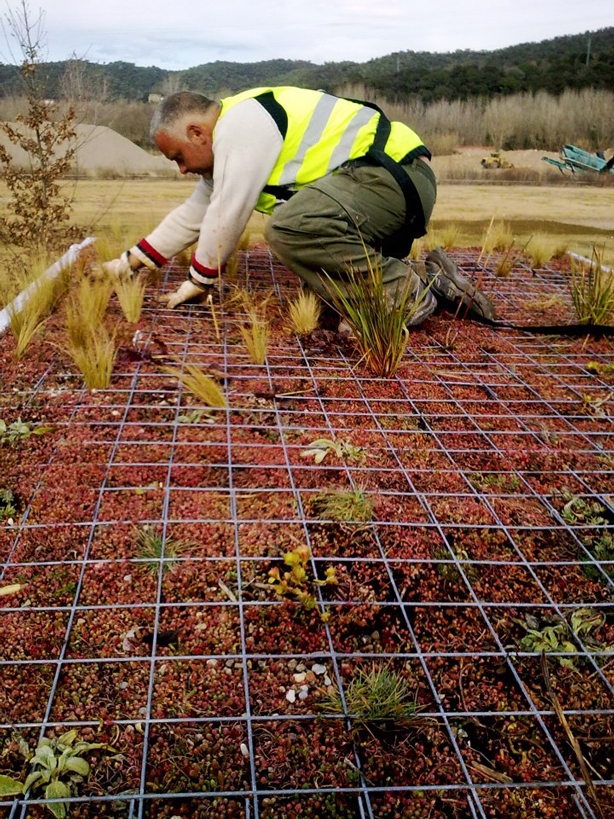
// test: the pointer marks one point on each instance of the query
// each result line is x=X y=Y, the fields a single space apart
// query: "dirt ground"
x=581 y=214
x=467 y=163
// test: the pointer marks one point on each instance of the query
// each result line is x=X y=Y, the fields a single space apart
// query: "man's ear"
x=197 y=134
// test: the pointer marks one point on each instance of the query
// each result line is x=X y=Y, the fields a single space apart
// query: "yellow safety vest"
x=320 y=133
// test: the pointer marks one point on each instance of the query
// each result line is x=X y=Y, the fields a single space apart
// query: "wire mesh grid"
x=485 y=466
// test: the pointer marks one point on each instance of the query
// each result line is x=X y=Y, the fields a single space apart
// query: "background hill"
x=551 y=65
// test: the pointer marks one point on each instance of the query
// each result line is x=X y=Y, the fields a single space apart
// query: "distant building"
x=156 y=98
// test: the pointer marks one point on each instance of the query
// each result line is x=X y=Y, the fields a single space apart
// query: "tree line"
x=551 y=65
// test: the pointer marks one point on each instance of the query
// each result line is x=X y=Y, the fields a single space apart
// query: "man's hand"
x=187 y=291
x=124 y=266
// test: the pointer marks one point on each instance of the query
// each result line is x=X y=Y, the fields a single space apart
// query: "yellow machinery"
x=495 y=160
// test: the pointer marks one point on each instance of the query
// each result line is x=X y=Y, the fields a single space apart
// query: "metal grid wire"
x=480 y=422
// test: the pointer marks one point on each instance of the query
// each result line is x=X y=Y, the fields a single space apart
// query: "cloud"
x=183 y=33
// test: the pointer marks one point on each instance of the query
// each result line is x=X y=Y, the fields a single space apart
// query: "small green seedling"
x=595 y=404
x=584 y=621
x=341 y=447
x=298 y=582
x=193 y=417
x=57 y=767
x=9 y=504
x=551 y=639
x=600 y=540
x=579 y=511
x=557 y=639
x=20 y=430
x=600 y=369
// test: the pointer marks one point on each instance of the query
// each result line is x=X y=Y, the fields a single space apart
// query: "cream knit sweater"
x=246 y=144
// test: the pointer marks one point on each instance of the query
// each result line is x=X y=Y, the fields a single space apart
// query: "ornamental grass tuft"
x=304 y=312
x=196 y=381
x=94 y=355
x=377 y=320
x=592 y=290
x=130 y=293
x=345 y=505
x=374 y=696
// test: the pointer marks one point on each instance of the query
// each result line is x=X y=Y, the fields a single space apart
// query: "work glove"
x=124 y=266
x=186 y=292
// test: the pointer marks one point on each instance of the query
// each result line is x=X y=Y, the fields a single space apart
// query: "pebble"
x=212 y=662
x=304 y=692
x=327 y=680
x=299 y=678
x=228 y=671
x=244 y=750
x=123 y=685
x=142 y=711
x=292 y=664
x=318 y=669
x=230 y=663
x=238 y=665
x=301 y=667
x=310 y=677
x=291 y=695
x=127 y=578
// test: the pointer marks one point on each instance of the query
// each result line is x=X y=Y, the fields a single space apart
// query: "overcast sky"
x=176 y=34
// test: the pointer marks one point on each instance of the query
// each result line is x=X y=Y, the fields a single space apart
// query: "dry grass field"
x=580 y=215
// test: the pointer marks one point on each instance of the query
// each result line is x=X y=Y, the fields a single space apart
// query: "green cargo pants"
x=323 y=226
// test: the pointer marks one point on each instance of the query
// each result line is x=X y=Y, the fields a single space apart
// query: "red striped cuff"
x=201 y=274
x=152 y=254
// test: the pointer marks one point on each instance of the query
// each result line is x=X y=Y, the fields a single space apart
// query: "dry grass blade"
x=196 y=381
x=304 y=312
x=449 y=236
x=592 y=291
x=508 y=262
x=256 y=337
x=112 y=243
x=255 y=329
x=499 y=236
x=505 y=266
x=86 y=308
x=486 y=241
x=416 y=250
x=94 y=355
x=27 y=321
x=540 y=250
x=378 y=320
x=570 y=735
x=131 y=292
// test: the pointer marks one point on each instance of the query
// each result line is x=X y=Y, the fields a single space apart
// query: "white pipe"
x=579 y=258
x=21 y=299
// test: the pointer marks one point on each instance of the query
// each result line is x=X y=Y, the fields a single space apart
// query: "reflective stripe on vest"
x=323 y=132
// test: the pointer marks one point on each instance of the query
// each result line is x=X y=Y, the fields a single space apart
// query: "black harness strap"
x=280 y=117
x=399 y=244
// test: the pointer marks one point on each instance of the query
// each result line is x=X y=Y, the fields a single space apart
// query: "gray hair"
x=176 y=106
